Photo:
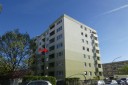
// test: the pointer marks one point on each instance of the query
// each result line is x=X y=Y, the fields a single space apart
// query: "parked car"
x=111 y=82
x=125 y=80
x=120 y=82
x=100 y=82
x=94 y=82
x=39 y=82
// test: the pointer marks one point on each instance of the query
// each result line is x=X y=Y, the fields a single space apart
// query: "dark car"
x=125 y=80
x=120 y=82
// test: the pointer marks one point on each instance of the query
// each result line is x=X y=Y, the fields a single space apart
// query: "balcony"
x=96 y=41
x=52 y=56
x=100 y=69
x=51 y=40
x=51 y=48
x=52 y=73
x=51 y=65
x=52 y=26
x=95 y=35
x=43 y=39
x=52 y=33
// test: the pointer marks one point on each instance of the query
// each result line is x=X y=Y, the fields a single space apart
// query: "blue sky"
x=108 y=17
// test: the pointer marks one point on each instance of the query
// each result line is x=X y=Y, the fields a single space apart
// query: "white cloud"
x=113 y=10
x=116 y=9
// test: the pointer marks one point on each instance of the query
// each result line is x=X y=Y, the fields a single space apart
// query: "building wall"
x=71 y=63
x=74 y=53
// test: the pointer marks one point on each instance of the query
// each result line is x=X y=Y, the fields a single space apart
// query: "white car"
x=111 y=82
x=100 y=82
x=39 y=82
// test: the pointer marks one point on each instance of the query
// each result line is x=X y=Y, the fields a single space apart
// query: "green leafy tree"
x=123 y=70
x=32 y=60
x=14 y=51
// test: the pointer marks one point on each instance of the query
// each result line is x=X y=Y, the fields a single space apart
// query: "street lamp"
x=112 y=64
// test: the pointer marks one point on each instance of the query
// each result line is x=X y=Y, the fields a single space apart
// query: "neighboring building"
x=111 y=69
x=73 y=50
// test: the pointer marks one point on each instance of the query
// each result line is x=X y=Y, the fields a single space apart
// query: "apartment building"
x=73 y=50
x=111 y=69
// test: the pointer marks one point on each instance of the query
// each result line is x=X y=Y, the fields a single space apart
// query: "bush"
x=72 y=81
x=49 y=78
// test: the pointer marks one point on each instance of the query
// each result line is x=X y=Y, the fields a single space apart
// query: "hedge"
x=72 y=81
x=49 y=78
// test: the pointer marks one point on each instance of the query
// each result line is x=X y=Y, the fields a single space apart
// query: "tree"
x=123 y=70
x=14 y=51
x=32 y=60
x=0 y=8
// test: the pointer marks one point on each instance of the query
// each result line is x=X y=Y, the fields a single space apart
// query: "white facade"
x=72 y=50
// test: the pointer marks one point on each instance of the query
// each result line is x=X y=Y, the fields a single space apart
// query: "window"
x=59 y=64
x=81 y=33
x=84 y=55
x=43 y=46
x=52 y=33
x=59 y=29
x=51 y=40
x=88 y=49
x=59 y=22
x=51 y=56
x=83 y=40
x=98 y=58
x=52 y=26
x=85 y=64
x=90 y=73
x=86 y=35
x=97 y=51
x=51 y=48
x=93 y=32
x=59 y=54
x=83 y=48
x=51 y=64
x=95 y=38
x=85 y=28
x=89 y=64
x=59 y=73
x=51 y=73
x=59 y=45
x=86 y=41
x=100 y=73
x=43 y=39
x=99 y=65
x=59 y=36
x=96 y=44
x=81 y=26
